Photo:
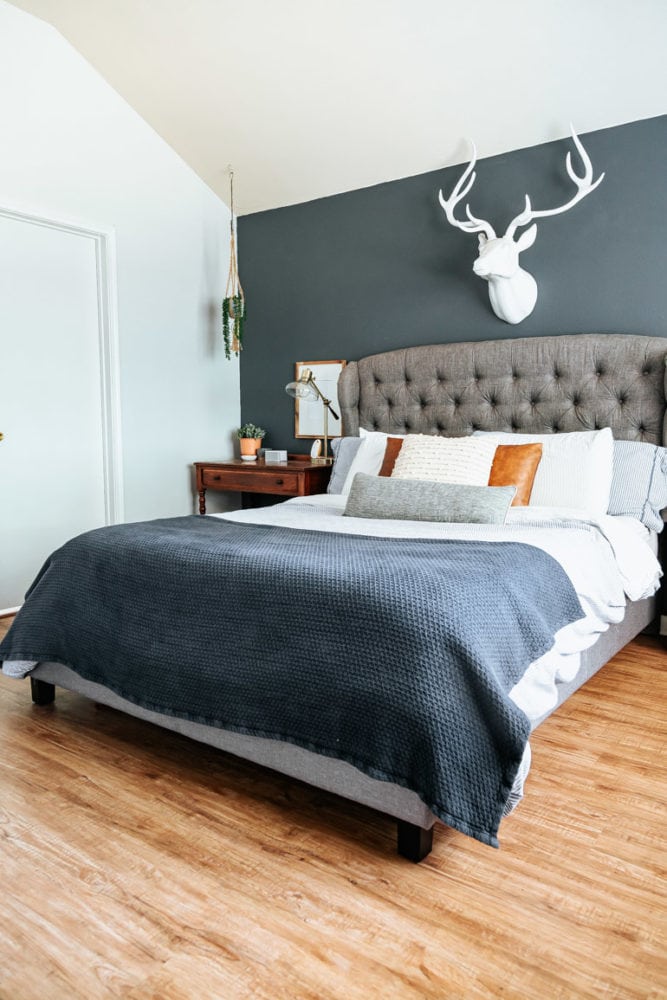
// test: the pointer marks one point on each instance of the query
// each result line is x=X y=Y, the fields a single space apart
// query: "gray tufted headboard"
x=530 y=384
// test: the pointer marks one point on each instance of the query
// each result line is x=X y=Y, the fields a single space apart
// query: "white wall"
x=72 y=149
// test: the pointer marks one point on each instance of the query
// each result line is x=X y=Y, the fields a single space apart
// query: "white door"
x=52 y=483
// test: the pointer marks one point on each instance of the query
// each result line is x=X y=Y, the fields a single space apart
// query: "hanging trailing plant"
x=233 y=304
x=233 y=319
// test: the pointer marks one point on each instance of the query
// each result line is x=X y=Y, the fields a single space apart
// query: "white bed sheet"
x=608 y=559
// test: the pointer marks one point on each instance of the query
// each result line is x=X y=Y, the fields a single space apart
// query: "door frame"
x=104 y=241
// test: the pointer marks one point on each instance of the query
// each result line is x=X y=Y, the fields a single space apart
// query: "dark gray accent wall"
x=381 y=268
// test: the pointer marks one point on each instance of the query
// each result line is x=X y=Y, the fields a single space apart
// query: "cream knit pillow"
x=445 y=460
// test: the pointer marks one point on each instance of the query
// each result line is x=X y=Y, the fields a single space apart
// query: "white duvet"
x=608 y=559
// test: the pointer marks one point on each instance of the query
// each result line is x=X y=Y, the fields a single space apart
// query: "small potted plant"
x=250 y=438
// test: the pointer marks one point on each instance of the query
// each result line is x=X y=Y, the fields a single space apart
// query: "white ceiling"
x=306 y=98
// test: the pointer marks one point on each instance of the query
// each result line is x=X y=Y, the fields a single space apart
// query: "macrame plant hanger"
x=233 y=304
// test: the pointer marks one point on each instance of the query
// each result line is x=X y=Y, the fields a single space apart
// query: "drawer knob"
x=217 y=478
x=279 y=482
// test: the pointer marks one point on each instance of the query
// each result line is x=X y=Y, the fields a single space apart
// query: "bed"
x=550 y=385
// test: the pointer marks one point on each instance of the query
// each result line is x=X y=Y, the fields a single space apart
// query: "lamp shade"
x=303 y=388
x=300 y=390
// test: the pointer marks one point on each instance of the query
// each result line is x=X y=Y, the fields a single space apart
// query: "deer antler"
x=461 y=189
x=584 y=186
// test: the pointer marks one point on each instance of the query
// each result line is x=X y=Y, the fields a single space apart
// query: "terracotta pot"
x=249 y=448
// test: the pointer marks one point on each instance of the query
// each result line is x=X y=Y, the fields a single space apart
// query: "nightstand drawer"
x=273 y=481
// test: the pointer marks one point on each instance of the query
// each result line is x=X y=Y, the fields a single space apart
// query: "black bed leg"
x=414 y=843
x=43 y=693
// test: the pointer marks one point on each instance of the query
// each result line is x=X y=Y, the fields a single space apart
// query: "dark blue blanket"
x=396 y=655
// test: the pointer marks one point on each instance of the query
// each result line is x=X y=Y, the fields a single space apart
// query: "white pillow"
x=575 y=469
x=379 y=435
x=463 y=460
x=369 y=457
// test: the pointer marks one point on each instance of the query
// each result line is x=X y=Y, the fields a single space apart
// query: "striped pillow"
x=639 y=483
x=344 y=451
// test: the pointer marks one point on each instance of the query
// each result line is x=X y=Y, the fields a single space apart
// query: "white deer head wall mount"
x=512 y=291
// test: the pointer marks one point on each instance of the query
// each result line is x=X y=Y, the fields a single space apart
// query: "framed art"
x=309 y=414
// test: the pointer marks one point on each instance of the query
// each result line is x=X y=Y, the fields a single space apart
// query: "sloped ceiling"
x=306 y=98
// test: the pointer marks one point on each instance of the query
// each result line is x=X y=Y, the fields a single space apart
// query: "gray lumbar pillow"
x=423 y=500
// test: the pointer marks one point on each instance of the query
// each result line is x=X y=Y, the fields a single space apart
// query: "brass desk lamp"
x=306 y=387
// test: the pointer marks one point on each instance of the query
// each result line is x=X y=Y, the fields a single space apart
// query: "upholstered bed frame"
x=548 y=384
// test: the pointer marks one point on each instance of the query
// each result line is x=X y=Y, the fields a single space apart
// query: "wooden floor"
x=136 y=864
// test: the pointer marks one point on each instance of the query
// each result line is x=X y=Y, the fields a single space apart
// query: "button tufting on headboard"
x=539 y=384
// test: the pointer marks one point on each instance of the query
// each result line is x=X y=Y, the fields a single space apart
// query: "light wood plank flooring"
x=136 y=864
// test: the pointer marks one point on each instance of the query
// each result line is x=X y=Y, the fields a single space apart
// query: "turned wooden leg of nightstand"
x=202 y=501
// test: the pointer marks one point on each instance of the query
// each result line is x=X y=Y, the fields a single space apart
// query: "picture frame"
x=309 y=414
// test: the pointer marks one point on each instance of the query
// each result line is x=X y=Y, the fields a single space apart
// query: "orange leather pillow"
x=515 y=465
x=390 y=455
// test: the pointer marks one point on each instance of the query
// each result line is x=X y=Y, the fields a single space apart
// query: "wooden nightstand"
x=294 y=478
